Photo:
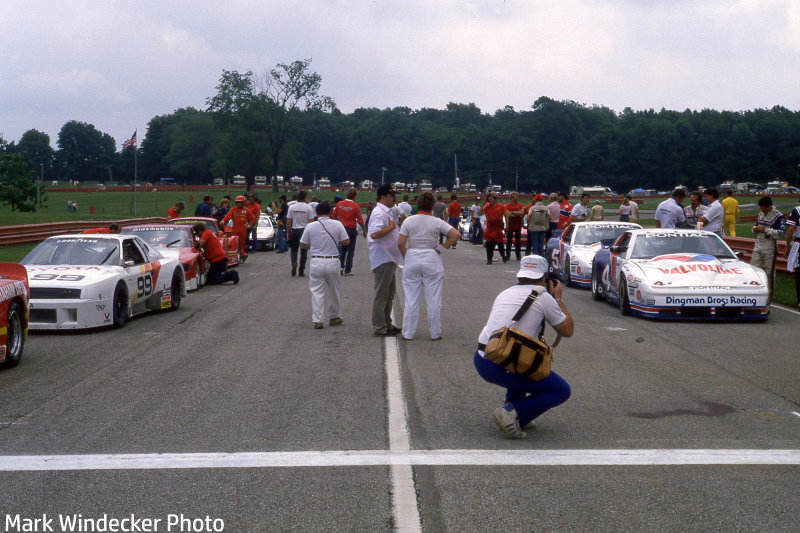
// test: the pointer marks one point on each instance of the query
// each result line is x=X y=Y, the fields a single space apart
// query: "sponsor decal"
x=106 y=316
x=717 y=301
x=685 y=257
x=76 y=267
x=10 y=290
x=78 y=240
x=639 y=295
x=2 y=352
x=100 y=307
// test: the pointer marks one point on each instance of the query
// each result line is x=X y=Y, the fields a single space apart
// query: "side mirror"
x=619 y=249
x=128 y=263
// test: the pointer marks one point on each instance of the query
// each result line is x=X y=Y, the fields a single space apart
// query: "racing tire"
x=175 y=291
x=597 y=287
x=120 y=306
x=622 y=298
x=15 y=335
x=567 y=276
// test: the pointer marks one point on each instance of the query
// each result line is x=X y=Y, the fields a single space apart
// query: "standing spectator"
x=174 y=211
x=314 y=203
x=203 y=209
x=768 y=229
x=215 y=254
x=580 y=212
x=514 y=213
x=323 y=237
x=241 y=220
x=348 y=212
x=476 y=228
x=695 y=209
x=669 y=213
x=454 y=214
x=793 y=241
x=254 y=208
x=493 y=235
x=634 y=209
x=525 y=399
x=423 y=270
x=384 y=256
x=625 y=210
x=298 y=217
x=281 y=209
x=403 y=209
x=69 y=206
x=555 y=211
x=538 y=224
x=730 y=210
x=440 y=212
x=597 y=211
x=712 y=218
x=224 y=207
x=564 y=212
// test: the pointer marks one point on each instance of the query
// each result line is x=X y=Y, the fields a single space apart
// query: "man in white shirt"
x=297 y=218
x=634 y=209
x=384 y=256
x=580 y=212
x=714 y=215
x=475 y=222
x=405 y=210
x=669 y=213
x=323 y=238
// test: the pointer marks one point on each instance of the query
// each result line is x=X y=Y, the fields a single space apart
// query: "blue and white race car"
x=670 y=273
x=86 y=281
x=570 y=255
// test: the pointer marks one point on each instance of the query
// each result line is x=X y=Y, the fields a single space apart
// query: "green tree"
x=193 y=147
x=35 y=149
x=17 y=189
x=84 y=152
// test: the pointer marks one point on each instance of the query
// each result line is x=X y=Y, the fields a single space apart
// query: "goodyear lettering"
x=77 y=240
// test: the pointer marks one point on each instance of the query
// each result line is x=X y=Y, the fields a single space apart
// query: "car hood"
x=586 y=252
x=70 y=276
x=698 y=270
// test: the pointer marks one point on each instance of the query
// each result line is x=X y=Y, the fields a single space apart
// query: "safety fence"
x=746 y=245
x=38 y=232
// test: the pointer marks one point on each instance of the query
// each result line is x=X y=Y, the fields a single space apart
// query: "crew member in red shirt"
x=254 y=207
x=112 y=228
x=514 y=214
x=348 y=212
x=175 y=211
x=565 y=209
x=242 y=220
x=493 y=234
x=212 y=250
x=454 y=214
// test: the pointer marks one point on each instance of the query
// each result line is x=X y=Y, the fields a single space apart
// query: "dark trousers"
x=295 y=245
x=553 y=227
x=490 y=251
x=346 y=252
x=218 y=273
x=477 y=229
x=515 y=236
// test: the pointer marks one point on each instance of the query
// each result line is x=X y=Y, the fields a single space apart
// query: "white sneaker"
x=530 y=425
x=508 y=423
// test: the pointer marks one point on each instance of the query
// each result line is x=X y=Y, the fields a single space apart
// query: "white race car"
x=87 y=281
x=571 y=254
x=266 y=233
x=669 y=273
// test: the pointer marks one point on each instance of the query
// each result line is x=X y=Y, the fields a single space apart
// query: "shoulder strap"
x=525 y=305
x=328 y=232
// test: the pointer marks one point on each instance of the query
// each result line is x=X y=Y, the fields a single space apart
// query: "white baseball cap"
x=532 y=267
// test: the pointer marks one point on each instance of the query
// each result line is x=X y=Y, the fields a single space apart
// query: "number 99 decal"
x=144 y=286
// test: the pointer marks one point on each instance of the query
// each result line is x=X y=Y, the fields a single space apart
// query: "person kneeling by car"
x=213 y=251
x=526 y=399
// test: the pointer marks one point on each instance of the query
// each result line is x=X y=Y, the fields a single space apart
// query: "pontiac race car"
x=13 y=313
x=571 y=254
x=230 y=242
x=669 y=273
x=266 y=233
x=86 y=281
x=177 y=242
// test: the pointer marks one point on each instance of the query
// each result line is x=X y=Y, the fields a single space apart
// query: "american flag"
x=131 y=141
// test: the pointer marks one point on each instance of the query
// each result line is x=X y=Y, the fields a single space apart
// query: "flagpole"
x=135 y=149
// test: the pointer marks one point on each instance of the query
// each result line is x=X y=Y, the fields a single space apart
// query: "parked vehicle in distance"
x=266 y=233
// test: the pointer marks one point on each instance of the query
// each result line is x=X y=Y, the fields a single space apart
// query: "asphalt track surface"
x=234 y=408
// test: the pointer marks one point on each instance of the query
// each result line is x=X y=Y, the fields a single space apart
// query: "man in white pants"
x=423 y=270
x=323 y=238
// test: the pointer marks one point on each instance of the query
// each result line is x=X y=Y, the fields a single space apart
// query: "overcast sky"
x=117 y=64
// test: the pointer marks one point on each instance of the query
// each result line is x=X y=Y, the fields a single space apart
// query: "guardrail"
x=746 y=245
x=38 y=232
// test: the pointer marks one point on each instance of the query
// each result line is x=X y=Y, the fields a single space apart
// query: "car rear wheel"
x=15 y=335
x=622 y=298
x=597 y=287
x=120 y=306
x=175 y=291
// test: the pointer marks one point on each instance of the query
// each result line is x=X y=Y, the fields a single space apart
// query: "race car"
x=177 y=242
x=570 y=255
x=671 y=273
x=14 y=293
x=88 y=281
x=266 y=233
x=230 y=242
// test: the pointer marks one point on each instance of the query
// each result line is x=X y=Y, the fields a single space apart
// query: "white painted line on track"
x=795 y=413
x=408 y=458
x=787 y=309
x=404 y=495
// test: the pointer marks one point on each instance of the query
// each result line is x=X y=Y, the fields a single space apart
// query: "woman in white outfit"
x=323 y=237
x=423 y=271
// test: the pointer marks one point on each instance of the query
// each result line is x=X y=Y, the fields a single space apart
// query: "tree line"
x=279 y=123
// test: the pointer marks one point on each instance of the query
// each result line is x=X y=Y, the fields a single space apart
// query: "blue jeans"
x=535 y=243
x=346 y=252
x=281 y=238
x=529 y=398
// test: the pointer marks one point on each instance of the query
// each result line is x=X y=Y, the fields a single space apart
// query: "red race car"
x=14 y=295
x=230 y=242
x=178 y=242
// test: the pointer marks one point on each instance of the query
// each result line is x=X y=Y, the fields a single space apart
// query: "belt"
x=324 y=257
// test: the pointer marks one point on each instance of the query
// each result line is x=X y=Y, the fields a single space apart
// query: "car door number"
x=144 y=286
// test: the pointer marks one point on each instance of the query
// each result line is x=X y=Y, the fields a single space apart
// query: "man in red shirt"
x=175 y=211
x=112 y=228
x=454 y=213
x=213 y=251
x=254 y=207
x=348 y=212
x=242 y=220
x=493 y=234
x=565 y=210
x=514 y=215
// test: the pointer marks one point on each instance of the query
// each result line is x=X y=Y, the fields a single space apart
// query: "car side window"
x=131 y=252
x=567 y=235
x=624 y=242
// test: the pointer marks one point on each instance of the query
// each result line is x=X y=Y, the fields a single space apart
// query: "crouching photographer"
x=511 y=352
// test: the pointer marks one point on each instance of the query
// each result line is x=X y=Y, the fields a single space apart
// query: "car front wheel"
x=15 y=335
x=597 y=287
x=175 y=291
x=120 y=306
x=567 y=276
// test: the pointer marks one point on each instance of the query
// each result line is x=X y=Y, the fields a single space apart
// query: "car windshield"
x=649 y=245
x=162 y=237
x=74 y=251
x=265 y=222
x=593 y=234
